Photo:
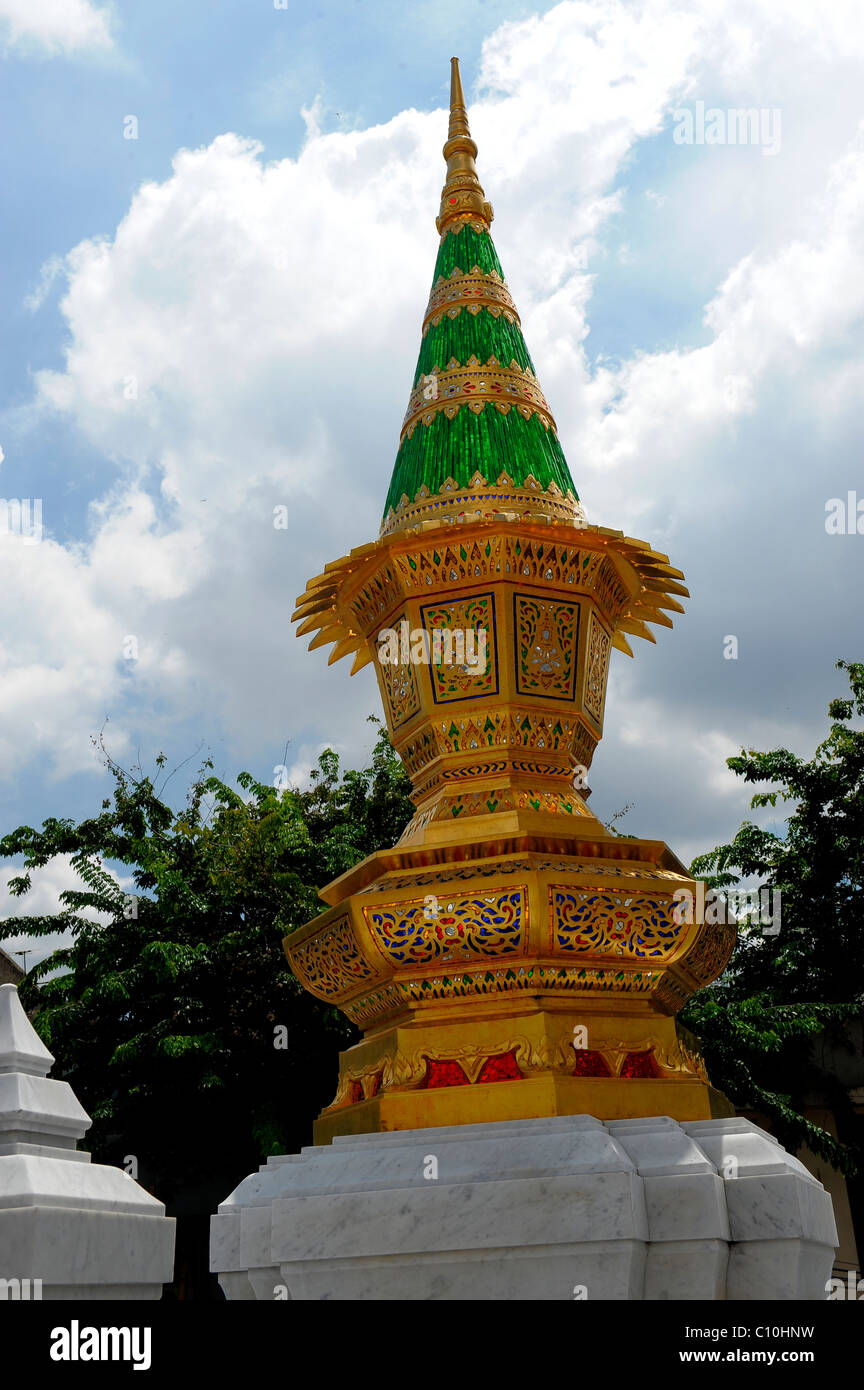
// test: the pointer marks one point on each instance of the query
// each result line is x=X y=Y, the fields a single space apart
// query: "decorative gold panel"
x=597 y=668
x=712 y=951
x=400 y=685
x=462 y=682
x=329 y=963
x=369 y=606
x=547 y=634
x=464 y=928
x=624 y=924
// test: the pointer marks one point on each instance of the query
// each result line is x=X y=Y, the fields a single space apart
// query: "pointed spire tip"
x=462 y=197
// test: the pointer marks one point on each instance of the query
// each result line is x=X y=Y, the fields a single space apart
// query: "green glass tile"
x=465 y=249
x=472 y=335
x=489 y=443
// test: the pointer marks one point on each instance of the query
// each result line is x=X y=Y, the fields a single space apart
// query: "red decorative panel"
x=640 y=1064
x=443 y=1074
x=590 y=1063
x=356 y=1091
x=501 y=1068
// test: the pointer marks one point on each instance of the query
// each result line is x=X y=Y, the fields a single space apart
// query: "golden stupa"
x=510 y=957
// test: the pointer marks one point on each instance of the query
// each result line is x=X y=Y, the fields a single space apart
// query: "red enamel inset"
x=501 y=1068
x=640 y=1064
x=590 y=1063
x=443 y=1074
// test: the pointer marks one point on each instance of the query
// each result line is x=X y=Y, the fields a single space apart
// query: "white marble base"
x=563 y=1208
x=87 y=1231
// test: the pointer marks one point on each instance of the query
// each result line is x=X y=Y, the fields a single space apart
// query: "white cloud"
x=269 y=315
x=49 y=272
x=53 y=27
x=42 y=900
x=67 y=611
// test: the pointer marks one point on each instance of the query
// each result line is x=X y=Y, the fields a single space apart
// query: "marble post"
x=84 y=1230
x=559 y=1208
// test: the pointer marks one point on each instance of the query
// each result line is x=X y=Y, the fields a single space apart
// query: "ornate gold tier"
x=548 y=600
x=554 y=974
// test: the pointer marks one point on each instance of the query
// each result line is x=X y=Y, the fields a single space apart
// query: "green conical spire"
x=476 y=407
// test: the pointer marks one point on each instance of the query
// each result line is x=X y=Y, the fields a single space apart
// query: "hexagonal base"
x=537 y=974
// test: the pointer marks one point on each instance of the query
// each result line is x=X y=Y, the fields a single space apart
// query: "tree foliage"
x=782 y=992
x=163 y=1011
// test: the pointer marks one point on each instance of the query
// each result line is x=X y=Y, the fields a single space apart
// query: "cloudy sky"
x=217 y=241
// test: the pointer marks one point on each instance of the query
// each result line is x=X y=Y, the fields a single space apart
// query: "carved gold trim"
x=473 y=291
x=406 y=1070
x=504 y=978
x=475 y=802
x=474 y=385
x=646 y=579
x=454 y=225
x=485 y=500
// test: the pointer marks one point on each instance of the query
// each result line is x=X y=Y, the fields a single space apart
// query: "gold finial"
x=462 y=197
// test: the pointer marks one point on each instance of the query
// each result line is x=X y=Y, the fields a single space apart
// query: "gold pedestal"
x=540 y=977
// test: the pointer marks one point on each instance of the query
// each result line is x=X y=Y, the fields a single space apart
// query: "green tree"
x=164 y=1014
x=781 y=992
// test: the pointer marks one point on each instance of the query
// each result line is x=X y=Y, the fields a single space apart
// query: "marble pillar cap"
x=21 y=1048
